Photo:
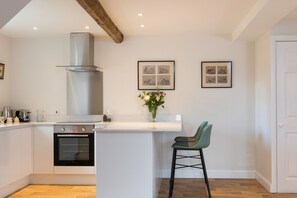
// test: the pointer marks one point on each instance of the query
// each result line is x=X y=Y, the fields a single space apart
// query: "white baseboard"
x=64 y=179
x=74 y=170
x=263 y=181
x=15 y=186
x=238 y=174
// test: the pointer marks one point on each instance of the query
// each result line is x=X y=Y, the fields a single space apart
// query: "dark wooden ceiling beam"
x=97 y=12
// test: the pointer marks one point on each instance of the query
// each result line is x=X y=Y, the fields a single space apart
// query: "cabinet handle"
x=72 y=135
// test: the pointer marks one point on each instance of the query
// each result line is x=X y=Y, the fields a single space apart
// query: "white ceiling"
x=292 y=15
x=177 y=16
x=60 y=17
x=52 y=17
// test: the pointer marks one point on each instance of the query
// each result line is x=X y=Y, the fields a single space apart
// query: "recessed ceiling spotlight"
x=35 y=28
x=87 y=27
x=139 y=14
x=142 y=25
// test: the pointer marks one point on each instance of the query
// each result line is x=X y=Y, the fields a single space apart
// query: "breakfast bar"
x=129 y=157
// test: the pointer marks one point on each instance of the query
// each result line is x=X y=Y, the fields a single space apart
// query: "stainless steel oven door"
x=74 y=149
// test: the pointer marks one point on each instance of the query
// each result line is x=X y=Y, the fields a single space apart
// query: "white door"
x=287 y=116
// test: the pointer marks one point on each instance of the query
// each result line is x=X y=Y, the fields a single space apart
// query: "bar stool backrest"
x=200 y=129
x=204 y=139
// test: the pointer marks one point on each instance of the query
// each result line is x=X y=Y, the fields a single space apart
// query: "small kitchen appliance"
x=23 y=115
x=7 y=112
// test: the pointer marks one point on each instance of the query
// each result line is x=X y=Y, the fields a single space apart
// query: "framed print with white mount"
x=153 y=75
x=216 y=74
x=2 y=70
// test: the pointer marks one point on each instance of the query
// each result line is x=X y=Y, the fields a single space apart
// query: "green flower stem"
x=154 y=112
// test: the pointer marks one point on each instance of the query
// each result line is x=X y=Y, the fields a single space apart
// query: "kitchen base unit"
x=16 y=158
x=129 y=158
x=26 y=153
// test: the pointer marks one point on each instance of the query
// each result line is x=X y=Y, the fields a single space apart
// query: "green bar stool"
x=192 y=138
x=196 y=145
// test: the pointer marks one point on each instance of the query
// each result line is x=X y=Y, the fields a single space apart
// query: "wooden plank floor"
x=184 y=188
x=59 y=191
x=220 y=188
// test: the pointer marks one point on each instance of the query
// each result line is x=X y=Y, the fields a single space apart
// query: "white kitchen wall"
x=265 y=134
x=285 y=27
x=38 y=84
x=231 y=111
x=263 y=109
x=265 y=83
x=4 y=84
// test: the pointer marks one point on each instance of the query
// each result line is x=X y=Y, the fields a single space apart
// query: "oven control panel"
x=74 y=128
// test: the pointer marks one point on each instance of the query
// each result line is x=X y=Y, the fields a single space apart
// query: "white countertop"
x=109 y=126
x=30 y=124
x=24 y=124
x=175 y=126
x=166 y=123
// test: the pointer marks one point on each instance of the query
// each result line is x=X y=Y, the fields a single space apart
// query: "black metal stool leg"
x=205 y=173
x=172 y=173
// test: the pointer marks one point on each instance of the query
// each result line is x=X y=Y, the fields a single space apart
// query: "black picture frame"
x=2 y=67
x=153 y=75
x=216 y=74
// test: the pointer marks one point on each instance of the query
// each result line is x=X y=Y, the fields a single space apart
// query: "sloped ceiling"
x=9 y=8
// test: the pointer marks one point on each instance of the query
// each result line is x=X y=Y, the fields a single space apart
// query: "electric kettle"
x=7 y=112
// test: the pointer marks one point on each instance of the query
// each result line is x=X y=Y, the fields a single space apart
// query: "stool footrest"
x=188 y=156
x=188 y=166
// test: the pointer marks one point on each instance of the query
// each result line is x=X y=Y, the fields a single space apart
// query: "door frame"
x=273 y=108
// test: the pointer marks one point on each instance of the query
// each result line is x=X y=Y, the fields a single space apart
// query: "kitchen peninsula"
x=128 y=157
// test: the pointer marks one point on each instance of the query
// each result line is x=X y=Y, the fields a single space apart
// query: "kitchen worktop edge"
x=140 y=127
x=32 y=124
x=24 y=125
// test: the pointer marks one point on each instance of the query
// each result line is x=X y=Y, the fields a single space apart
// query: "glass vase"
x=154 y=113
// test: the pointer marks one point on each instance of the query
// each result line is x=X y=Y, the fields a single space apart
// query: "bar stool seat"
x=197 y=145
x=194 y=137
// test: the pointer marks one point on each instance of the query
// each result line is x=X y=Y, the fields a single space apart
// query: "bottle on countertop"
x=16 y=120
x=106 y=119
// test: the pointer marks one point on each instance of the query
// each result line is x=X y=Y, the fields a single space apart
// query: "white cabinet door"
x=43 y=162
x=24 y=148
x=15 y=155
x=287 y=116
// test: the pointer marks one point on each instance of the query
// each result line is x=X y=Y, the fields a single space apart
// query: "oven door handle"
x=69 y=135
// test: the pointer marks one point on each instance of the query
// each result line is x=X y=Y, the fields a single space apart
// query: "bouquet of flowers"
x=152 y=100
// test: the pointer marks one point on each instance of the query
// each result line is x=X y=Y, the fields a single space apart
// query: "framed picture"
x=2 y=71
x=156 y=75
x=216 y=74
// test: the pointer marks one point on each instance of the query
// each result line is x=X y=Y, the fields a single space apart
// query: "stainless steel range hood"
x=82 y=53
x=84 y=79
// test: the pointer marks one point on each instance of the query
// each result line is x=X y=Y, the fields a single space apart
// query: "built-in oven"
x=74 y=145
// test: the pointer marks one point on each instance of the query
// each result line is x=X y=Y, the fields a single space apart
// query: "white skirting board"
x=63 y=179
x=195 y=173
x=264 y=182
x=15 y=186
x=74 y=170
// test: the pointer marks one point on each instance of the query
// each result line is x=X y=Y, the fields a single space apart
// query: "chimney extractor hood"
x=82 y=53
